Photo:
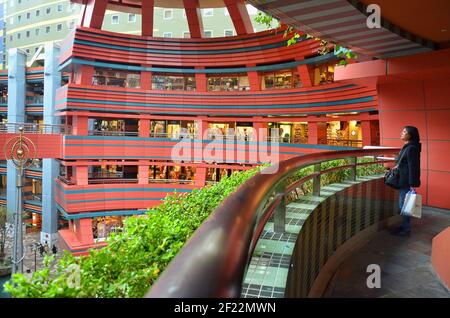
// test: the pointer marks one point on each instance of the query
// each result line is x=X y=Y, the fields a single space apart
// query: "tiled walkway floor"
x=405 y=263
x=268 y=270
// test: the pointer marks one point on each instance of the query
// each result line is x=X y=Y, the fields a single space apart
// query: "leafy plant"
x=133 y=258
x=344 y=55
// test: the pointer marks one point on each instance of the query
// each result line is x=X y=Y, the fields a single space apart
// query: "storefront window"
x=158 y=128
x=244 y=131
x=173 y=82
x=117 y=78
x=216 y=174
x=324 y=74
x=280 y=80
x=237 y=82
x=103 y=226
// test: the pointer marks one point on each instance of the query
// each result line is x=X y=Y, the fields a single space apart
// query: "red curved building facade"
x=132 y=100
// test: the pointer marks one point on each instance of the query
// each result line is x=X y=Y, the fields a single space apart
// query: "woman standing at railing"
x=409 y=167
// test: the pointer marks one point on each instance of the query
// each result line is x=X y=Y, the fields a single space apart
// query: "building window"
x=19 y=18
x=18 y=36
x=186 y=34
x=229 y=33
x=208 y=34
x=167 y=34
x=10 y=38
x=47 y=29
x=208 y=12
x=36 y=49
x=115 y=19
x=167 y=14
x=71 y=25
x=117 y=78
x=281 y=79
x=28 y=34
x=60 y=8
x=28 y=51
x=48 y=10
x=37 y=31
x=38 y=12
x=235 y=82
x=59 y=27
x=131 y=18
x=28 y=15
x=173 y=82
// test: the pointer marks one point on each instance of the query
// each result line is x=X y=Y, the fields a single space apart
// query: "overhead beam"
x=94 y=13
x=239 y=16
x=148 y=9
x=194 y=18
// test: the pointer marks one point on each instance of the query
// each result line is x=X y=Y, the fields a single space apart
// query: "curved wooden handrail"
x=213 y=262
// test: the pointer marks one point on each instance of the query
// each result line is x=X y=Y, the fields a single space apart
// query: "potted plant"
x=5 y=264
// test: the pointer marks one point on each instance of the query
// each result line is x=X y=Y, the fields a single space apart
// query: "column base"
x=49 y=239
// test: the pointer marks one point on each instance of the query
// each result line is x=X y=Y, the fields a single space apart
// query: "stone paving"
x=405 y=263
x=32 y=260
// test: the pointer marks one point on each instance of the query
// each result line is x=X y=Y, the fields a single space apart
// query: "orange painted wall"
x=440 y=256
x=426 y=105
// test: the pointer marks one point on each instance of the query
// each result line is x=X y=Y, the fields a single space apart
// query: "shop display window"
x=173 y=82
x=324 y=74
x=102 y=227
x=238 y=82
x=116 y=78
x=281 y=79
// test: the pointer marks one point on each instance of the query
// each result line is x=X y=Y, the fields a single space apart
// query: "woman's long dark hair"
x=415 y=137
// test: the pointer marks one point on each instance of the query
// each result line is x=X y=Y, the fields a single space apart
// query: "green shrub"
x=133 y=258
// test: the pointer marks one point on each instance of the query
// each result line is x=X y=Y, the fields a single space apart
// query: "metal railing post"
x=279 y=213
x=352 y=161
x=316 y=180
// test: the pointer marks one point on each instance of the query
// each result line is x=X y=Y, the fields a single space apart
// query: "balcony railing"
x=115 y=180
x=180 y=136
x=30 y=128
x=341 y=142
x=221 y=274
x=113 y=133
x=34 y=99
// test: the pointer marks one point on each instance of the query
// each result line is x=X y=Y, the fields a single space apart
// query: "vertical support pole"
x=17 y=257
x=50 y=169
x=16 y=114
x=279 y=214
x=316 y=180
x=352 y=161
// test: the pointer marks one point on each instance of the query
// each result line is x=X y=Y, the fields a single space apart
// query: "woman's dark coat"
x=409 y=167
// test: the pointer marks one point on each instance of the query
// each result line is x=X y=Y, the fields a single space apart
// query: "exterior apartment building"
x=29 y=24
x=131 y=97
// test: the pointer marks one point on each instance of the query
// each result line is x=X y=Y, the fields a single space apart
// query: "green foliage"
x=344 y=55
x=268 y=21
x=133 y=258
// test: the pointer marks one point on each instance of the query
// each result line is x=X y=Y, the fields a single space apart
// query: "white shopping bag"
x=412 y=205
